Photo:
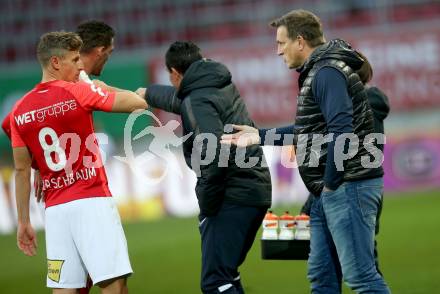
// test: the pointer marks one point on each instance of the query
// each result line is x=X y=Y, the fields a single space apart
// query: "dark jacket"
x=209 y=101
x=381 y=108
x=310 y=120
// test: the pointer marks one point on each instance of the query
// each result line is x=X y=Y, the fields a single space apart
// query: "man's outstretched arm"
x=127 y=101
x=248 y=135
x=161 y=97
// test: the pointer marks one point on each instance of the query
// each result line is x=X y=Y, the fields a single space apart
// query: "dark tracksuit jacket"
x=207 y=100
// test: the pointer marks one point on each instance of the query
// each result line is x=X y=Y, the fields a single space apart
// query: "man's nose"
x=80 y=65
x=279 y=51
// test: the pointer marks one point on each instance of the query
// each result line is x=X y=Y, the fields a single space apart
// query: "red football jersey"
x=54 y=121
x=6 y=126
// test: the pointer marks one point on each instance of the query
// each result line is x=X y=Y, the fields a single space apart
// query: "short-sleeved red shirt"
x=6 y=126
x=54 y=121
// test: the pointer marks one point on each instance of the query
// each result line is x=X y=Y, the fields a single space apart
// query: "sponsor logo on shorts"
x=54 y=269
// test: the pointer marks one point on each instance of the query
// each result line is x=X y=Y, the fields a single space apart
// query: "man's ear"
x=301 y=42
x=175 y=72
x=55 y=62
x=99 y=50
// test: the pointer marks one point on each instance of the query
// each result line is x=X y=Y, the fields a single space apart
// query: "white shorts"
x=85 y=237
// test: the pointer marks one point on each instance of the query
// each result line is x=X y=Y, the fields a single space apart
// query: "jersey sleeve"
x=16 y=139
x=91 y=97
x=6 y=125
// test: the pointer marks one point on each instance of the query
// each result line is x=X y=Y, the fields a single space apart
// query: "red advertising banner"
x=406 y=66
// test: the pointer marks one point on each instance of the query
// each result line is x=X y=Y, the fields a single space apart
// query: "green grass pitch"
x=165 y=255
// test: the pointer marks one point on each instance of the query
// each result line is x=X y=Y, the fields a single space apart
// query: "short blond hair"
x=57 y=44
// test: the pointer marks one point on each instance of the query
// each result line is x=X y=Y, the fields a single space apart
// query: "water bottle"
x=302 y=227
x=270 y=226
x=287 y=224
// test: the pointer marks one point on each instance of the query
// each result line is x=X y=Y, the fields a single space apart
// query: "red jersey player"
x=97 y=38
x=53 y=124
